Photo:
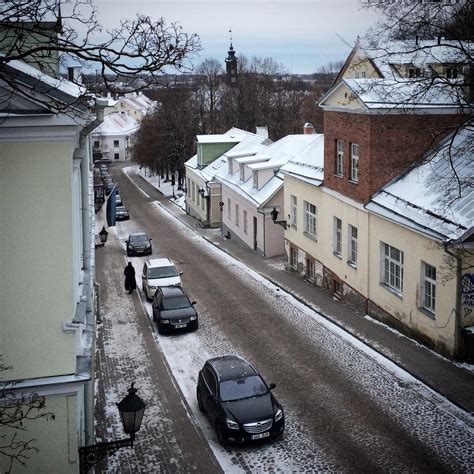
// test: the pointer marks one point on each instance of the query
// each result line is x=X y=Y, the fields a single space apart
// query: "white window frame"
x=428 y=287
x=311 y=269
x=294 y=258
x=310 y=219
x=354 y=162
x=245 y=222
x=116 y=143
x=392 y=268
x=229 y=209
x=352 y=236
x=242 y=171
x=255 y=179
x=229 y=165
x=339 y=158
x=237 y=215
x=337 y=241
x=293 y=210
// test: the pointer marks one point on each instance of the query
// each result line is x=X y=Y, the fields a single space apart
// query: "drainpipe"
x=457 y=330
x=264 y=225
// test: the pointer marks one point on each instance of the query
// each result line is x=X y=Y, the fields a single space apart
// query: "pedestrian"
x=130 y=282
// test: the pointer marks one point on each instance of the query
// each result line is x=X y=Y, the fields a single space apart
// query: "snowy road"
x=347 y=408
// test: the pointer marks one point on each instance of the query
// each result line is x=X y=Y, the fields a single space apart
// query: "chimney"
x=262 y=131
x=308 y=128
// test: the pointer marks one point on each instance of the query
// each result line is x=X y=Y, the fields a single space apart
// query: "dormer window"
x=242 y=172
x=229 y=164
x=255 y=179
x=415 y=72
x=452 y=73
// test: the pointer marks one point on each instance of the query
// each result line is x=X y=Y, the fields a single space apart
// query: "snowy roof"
x=276 y=155
x=309 y=164
x=421 y=54
x=139 y=102
x=117 y=123
x=427 y=196
x=217 y=138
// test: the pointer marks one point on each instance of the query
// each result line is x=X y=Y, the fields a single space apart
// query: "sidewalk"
x=453 y=380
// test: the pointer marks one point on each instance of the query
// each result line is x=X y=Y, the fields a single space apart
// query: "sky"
x=299 y=34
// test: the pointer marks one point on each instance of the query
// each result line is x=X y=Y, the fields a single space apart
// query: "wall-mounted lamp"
x=202 y=192
x=103 y=234
x=131 y=410
x=274 y=215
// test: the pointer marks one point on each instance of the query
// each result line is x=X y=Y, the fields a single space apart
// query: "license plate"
x=261 y=435
x=179 y=326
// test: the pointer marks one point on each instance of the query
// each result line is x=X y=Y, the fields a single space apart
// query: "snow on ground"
x=414 y=406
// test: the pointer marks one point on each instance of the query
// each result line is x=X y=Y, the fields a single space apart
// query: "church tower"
x=231 y=63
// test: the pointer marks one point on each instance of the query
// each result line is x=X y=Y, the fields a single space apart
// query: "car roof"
x=159 y=262
x=170 y=291
x=231 y=367
x=135 y=234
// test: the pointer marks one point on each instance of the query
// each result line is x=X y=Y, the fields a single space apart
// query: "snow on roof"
x=309 y=163
x=401 y=94
x=139 y=102
x=427 y=197
x=117 y=123
x=275 y=155
x=60 y=84
x=217 y=138
x=421 y=54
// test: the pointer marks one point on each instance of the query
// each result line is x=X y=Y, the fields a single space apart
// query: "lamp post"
x=131 y=410
x=274 y=215
x=103 y=234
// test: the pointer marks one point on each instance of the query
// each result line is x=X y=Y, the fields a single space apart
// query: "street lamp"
x=103 y=234
x=274 y=215
x=131 y=410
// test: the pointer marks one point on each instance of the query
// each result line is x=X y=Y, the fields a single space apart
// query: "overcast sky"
x=300 y=34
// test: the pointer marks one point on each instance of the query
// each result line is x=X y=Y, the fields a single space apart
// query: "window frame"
x=293 y=210
x=337 y=237
x=428 y=288
x=390 y=264
x=310 y=219
x=229 y=209
x=116 y=143
x=237 y=215
x=355 y=163
x=339 y=164
x=352 y=246
x=245 y=222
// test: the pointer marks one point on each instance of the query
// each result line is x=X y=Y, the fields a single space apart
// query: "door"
x=255 y=222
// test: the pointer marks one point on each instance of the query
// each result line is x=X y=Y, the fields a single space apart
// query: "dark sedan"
x=172 y=310
x=138 y=243
x=121 y=213
x=238 y=402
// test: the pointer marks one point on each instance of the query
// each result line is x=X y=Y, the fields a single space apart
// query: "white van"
x=159 y=272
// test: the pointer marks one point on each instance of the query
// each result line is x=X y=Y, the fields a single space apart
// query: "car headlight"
x=193 y=318
x=165 y=321
x=278 y=414
x=232 y=424
x=147 y=246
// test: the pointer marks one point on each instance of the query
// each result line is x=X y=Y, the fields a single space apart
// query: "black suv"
x=173 y=310
x=138 y=243
x=237 y=401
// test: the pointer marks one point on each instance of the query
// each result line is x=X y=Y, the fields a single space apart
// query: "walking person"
x=130 y=282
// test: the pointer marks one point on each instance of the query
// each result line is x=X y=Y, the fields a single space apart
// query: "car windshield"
x=120 y=209
x=162 y=272
x=244 y=387
x=138 y=239
x=176 y=302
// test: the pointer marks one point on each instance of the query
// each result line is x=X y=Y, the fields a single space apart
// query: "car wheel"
x=199 y=399
x=160 y=329
x=220 y=435
x=154 y=317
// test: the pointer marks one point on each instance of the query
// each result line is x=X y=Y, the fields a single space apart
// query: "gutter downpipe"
x=264 y=225
x=458 y=346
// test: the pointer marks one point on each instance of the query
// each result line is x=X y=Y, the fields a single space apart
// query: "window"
x=96 y=144
x=116 y=143
x=363 y=74
x=193 y=193
x=255 y=179
x=294 y=258
x=229 y=164
x=337 y=244
x=116 y=156
x=428 y=287
x=415 y=72
x=293 y=209
x=451 y=73
x=340 y=158
x=352 y=245
x=229 y=210
x=242 y=172
x=354 y=162
x=198 y=199
x=310 y=219
x=245 y=222
x=237 y=215
x=392 y=267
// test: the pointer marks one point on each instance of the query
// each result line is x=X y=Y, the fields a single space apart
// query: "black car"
x=138 y=243
x=238 y=402
x=121 y=213
x=172 y=310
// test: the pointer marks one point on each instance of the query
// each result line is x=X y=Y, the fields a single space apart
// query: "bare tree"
x=53 y=34
x=15 y=410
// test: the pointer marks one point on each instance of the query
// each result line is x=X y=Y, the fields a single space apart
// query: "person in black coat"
x=130 y=282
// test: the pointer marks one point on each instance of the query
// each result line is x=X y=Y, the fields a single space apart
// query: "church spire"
x=231 y=63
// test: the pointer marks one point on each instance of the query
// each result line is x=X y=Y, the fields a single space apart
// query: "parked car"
x=159 y=272
x=118 y=199
x=238 y=402
x=138 y=243
x=121 y=213
x=107 y=179
x=173 y=310
x=109 y=187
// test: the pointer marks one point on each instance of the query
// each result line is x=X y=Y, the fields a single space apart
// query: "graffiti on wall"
x=467 y=295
